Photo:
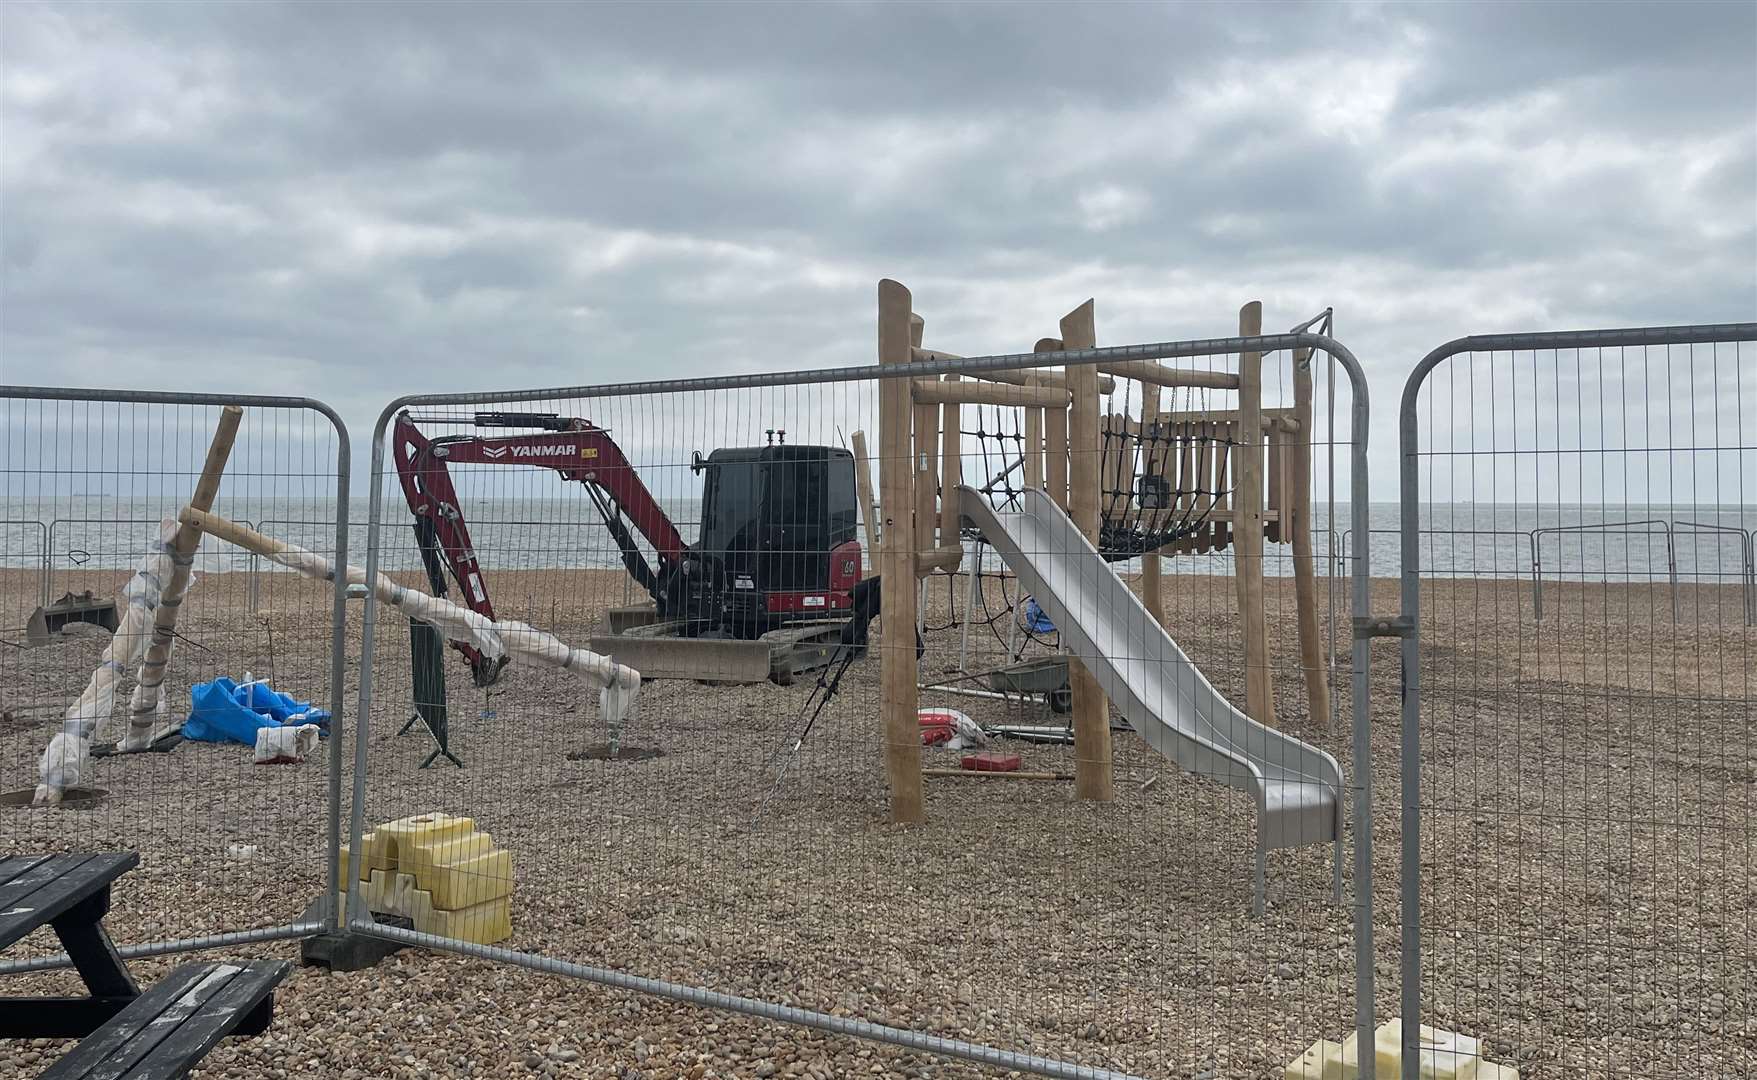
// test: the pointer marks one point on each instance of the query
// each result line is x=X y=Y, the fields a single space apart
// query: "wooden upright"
x=898 y=699
x=868 y=505
x=1152 y=577
x=1055 y=440
x=1092 y=752
x=1247 y=544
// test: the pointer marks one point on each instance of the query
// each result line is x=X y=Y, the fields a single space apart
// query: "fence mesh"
x=1586 y=755
x=87 y=483
x=739 y=837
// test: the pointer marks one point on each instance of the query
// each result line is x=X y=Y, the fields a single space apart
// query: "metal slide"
x=1170 y=704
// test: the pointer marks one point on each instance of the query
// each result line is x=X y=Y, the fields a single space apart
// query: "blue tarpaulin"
x=1035 y=620
x=223 y=711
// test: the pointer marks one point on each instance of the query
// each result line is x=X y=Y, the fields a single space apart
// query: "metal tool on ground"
x=83 y=607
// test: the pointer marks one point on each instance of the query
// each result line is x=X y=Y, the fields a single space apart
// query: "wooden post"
x=898 y=696
x=951 y=467
x=926 y=425
x=1055 y=439
x=926 y=444
x=1311 y=643
x=1033 y=467
x=1092 y=751
x=143 y=704
x=1152 y=464
x=1247 y=522
x=868 y=507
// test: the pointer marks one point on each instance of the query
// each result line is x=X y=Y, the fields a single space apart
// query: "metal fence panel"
x=743 y=860
x=1576 y=810
x=230 y=851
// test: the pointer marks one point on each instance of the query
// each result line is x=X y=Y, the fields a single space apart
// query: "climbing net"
x=1147 y=501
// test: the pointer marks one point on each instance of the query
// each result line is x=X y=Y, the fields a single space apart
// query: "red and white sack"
x=950 y=728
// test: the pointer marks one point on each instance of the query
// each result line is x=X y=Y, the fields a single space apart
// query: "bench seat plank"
x=167 y=1030
x=39 y=890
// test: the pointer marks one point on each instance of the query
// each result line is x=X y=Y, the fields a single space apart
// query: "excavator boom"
x=577 y=449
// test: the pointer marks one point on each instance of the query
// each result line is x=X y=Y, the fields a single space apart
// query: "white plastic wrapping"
x=147 y=711
x=66 y=760
x=519 y=642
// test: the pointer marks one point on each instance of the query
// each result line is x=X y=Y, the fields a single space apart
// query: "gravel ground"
x=1587 y=855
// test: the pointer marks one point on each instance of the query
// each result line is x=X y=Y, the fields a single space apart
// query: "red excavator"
x=768 y=588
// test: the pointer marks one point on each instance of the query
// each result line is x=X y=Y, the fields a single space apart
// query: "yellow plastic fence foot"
x=1445 y=1055
x=440 y=872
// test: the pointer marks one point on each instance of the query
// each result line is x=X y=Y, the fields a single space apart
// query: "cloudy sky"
x=355 y=201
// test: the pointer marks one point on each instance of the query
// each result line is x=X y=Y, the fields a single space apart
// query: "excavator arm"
x=575 y=448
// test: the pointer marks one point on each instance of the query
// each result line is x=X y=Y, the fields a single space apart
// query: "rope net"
x=1161 y=478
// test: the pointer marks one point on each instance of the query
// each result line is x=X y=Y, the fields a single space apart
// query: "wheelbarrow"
x=1047 y=676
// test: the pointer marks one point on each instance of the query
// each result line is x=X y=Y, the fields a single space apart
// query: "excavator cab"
x=778 y=534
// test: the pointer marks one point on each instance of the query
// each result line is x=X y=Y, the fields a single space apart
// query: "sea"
x=1694 y=543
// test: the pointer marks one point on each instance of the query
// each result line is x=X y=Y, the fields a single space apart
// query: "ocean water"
x=1611 y=543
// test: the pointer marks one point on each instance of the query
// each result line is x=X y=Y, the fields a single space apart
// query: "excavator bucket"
x=46 y=622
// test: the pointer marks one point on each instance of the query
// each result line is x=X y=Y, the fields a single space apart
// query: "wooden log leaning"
x=143 y=704
x=898 y=695
x=1093 y=767
x=1247 y=542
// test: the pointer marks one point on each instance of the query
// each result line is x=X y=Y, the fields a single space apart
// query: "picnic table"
x=125 y=1033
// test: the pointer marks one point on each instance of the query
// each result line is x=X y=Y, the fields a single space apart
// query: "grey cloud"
x=381 y=198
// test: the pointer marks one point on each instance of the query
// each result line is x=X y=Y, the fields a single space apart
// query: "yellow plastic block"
x=396 y=894
x=1322 y=1061
x=460 y=884
x=440 y=872
x=1445 y=1055
x=381 y=889
x=394 y=838
x=484 y=923
x=373 y=856
x=423 y=855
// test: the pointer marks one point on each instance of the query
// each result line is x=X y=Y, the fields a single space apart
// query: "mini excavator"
x=771 y=587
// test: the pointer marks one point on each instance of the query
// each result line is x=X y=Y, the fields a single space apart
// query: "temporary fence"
x=236 y=852
x=743 y=841
x=1152 y=888
x=1576 y=810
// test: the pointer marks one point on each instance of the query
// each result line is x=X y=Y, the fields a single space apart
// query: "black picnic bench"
x=124 y=1033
